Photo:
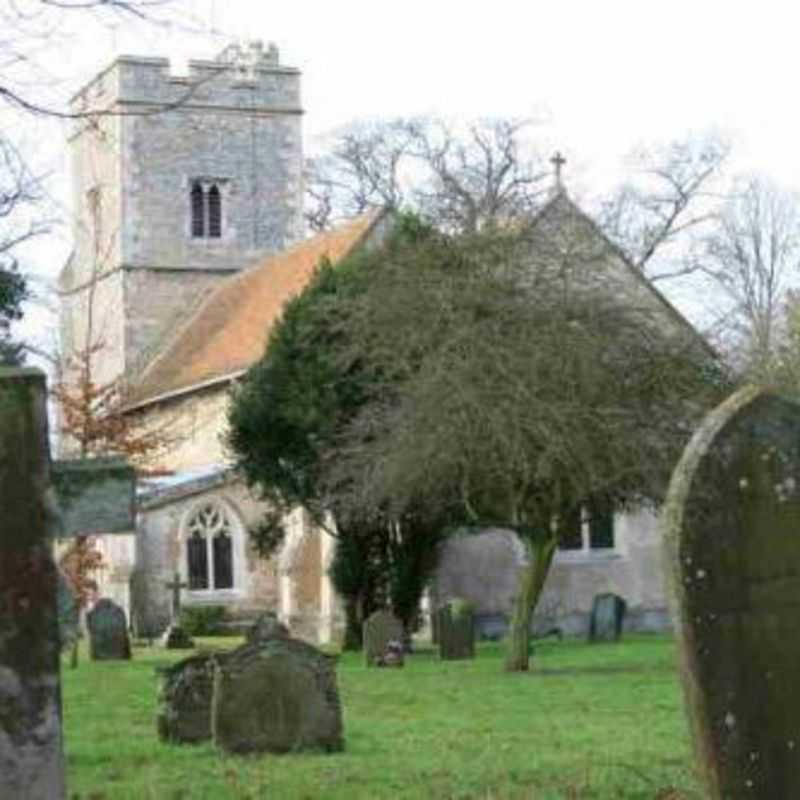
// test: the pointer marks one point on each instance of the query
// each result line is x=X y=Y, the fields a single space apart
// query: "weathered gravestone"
x=108 y=632
x=37 y=502
x=175 y=637
x=266 y=627
x=31 y=760
x=456 y=627
x=185 y=698
x=380 y=628
x=731 y=526
x=276 y=696
x=607 y=618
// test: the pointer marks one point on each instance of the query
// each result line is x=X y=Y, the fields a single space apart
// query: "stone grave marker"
x=607 y=618
x=276 y=696
x=731 y=528
x=456 y=626
x=108 y=632
x=36 y=503
x=380 y=628
x=185 y=698
x=266 y=627
x=175 y=637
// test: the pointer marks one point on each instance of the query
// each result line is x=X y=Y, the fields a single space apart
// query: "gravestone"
x=607 y=618
x=39 y=501
x=31 y=759
x=456 y=626
x=731 y=527
x=380 y=628
x=276 y=696
x=108 y=632
x=266 y=627
x=185 y=698
x=175 y=637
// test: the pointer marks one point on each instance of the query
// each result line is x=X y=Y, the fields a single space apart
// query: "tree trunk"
x=353 y=639
x=531 y=584
x=73 y=656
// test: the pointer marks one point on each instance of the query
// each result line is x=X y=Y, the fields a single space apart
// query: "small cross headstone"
x=175 y=637
x=731 y=528
x=108 y=632
x=607 y=618
x=456 y=626
x=380 y=628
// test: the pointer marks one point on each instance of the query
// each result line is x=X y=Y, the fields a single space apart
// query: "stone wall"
x=484 y=569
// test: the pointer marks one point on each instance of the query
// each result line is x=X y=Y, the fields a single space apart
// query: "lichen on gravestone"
x=277 y=696
x=730 y=526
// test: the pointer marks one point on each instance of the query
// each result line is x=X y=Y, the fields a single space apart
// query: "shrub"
x=202 y=620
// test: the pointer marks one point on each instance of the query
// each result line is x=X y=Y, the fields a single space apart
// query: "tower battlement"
x=247 y=76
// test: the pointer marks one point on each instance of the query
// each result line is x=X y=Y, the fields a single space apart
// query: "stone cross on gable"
x=558 y=162
x=176 y=585
x=37 y=501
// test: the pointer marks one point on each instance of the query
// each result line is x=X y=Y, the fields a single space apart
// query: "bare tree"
x=658 y=215
x=459 y=177
x=751 y=254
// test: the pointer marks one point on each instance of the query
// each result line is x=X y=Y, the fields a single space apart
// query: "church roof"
x=229 y=331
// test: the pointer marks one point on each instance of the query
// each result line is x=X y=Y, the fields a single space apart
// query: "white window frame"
x=237 y=533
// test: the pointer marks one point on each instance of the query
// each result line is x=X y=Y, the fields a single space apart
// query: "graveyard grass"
x=589 y=721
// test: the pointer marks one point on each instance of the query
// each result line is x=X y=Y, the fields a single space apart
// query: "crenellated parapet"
x=243 y=76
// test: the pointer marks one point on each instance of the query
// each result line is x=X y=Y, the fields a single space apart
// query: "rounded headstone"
x=731 y=527
x=266 y=627
x=277 y=696
x=108 y=632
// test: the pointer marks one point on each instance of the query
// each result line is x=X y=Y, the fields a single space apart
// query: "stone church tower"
x=184 y=181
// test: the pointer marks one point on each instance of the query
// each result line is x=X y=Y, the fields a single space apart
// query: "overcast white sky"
x=606 y=76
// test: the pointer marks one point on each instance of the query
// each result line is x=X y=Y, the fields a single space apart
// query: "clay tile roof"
x=227 y=334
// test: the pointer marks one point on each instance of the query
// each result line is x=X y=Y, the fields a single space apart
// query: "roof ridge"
x=371 y=218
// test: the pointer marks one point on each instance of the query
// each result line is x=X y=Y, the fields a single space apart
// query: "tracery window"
x=205 y=201
x=209 y=548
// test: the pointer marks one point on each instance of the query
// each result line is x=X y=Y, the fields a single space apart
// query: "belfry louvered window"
x=214 y=212
x=206 y=209
x=198 y=211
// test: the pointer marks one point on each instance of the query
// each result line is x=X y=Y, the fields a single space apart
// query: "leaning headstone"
x=731 y=527
x=185 y=696
x=31 y=758
x=108 y=632
x=266 y=627
x=456 y=626
x=380 y=628
x=277 y=696
x=607 y=618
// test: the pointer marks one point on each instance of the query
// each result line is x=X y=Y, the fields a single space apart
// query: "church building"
x=188 y=242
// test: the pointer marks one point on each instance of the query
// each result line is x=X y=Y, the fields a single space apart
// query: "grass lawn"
x=599 y=721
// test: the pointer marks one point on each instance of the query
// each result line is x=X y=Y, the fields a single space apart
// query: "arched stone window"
x=211 y=534
x=198 y=210
x=205 y=202
x=214 y=212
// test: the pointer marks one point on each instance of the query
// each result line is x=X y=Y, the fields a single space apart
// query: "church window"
x=209 y=548
x=205 y=200
x=214 y=212
x=198 y=211
x=588 y=529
